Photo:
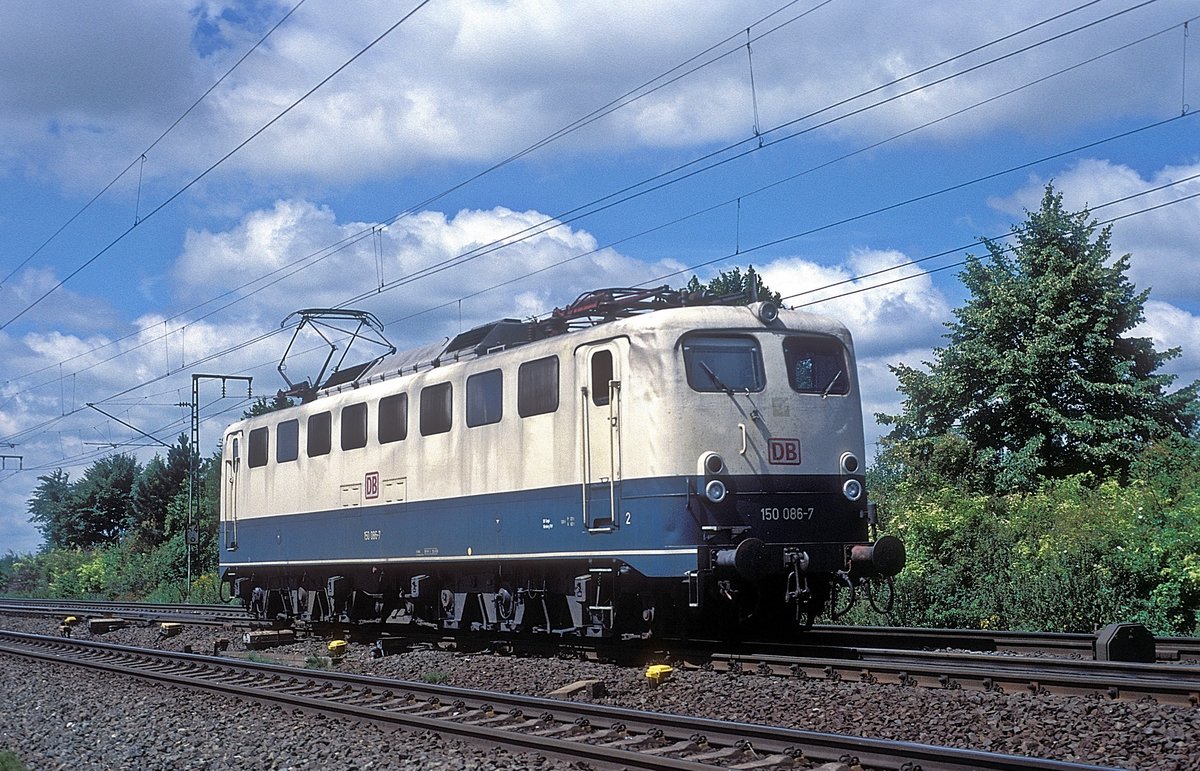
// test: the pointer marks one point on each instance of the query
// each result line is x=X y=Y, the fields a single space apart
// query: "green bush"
x=1072 y=556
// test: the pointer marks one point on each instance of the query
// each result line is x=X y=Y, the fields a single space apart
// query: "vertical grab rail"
x=229 y=506
x=586 y=453
x=614 y=447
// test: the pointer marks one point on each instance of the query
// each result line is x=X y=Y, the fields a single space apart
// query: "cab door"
x=599 y=373
x=230 y=471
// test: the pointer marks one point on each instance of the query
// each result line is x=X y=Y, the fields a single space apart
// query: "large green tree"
x=158 y=483
x=1040 y=377
x=51 y=508
x=103 y=504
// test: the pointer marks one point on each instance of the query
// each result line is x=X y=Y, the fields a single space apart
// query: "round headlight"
x=849 y=462
x=714 y=463
x=715 y=491
x=768 y=312
x=852 y=489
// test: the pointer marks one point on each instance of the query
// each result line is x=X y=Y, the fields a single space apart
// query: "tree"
x=103 y=509
x=735 y=281
x=154 y=488
x=261 y=406
x=1040 y=378
x=51 y=508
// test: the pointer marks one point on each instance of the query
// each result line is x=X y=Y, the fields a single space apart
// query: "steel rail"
x=1166 y=683
x=130 y=611
x=984 y=641
x=631 y=738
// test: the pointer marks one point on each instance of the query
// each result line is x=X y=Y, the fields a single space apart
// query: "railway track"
x=1055 y=643
x=1165 y=683
x=213 y=615
x=819 y=637
x=859 y=663
x=601 y=735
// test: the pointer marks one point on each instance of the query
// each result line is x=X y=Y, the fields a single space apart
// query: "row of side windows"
x=537 y=394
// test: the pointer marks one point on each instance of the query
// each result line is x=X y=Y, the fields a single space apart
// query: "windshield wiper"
x=716 y=380
x=829 y=387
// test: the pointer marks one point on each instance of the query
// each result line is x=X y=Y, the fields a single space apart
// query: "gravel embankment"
x=58 y=717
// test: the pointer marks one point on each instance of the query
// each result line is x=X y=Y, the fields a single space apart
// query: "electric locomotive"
x=642 y=462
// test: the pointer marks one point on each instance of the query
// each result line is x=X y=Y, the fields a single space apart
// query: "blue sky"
x=833 y=163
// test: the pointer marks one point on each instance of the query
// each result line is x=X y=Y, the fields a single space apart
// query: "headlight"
x=715 y=491
x=713 y=463
x=849 y=462
x=852 y=489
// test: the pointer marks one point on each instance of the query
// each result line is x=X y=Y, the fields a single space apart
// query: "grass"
x=436 y=677
x=10 y=762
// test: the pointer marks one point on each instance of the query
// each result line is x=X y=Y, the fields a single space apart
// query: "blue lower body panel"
x=653 y=532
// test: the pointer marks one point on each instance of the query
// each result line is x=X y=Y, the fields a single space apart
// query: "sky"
x=176 y=179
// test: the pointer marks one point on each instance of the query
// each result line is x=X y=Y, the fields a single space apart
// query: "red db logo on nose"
x=783 y=452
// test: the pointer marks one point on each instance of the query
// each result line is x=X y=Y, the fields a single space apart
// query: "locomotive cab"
x=759 y=410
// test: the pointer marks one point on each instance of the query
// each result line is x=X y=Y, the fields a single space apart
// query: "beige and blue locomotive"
x=642 y=463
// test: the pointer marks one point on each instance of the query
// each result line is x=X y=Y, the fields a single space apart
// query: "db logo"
x=371 y=485
x=783 y=452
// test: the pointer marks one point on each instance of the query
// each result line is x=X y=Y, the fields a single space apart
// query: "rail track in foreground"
x=950 y=668
x=1073 y=644
x=604 y=736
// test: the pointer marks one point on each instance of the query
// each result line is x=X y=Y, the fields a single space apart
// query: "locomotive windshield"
x=723 y=364
x=816 y=365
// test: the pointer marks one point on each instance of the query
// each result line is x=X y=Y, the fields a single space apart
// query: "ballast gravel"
x=63 y=717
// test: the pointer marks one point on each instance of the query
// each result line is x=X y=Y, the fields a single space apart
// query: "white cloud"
x=288 y=236
x=1161 y=242
x=473 y=81
x=1173 y=327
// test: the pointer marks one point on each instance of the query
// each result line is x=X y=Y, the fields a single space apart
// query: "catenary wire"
x=559 y=220
x=212 y=167
x=751 y=192
x=668 y=177
x=152 y=145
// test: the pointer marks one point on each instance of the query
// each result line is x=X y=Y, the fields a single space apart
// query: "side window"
x=258 y=447
x=602 y=373
x=287 y=441
x=816 y=365
x=319 y=427
x=723 y=363
x=485 y=398
x=393 y=418
x=537 y=387
x=354 y=426
x=437 y=402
